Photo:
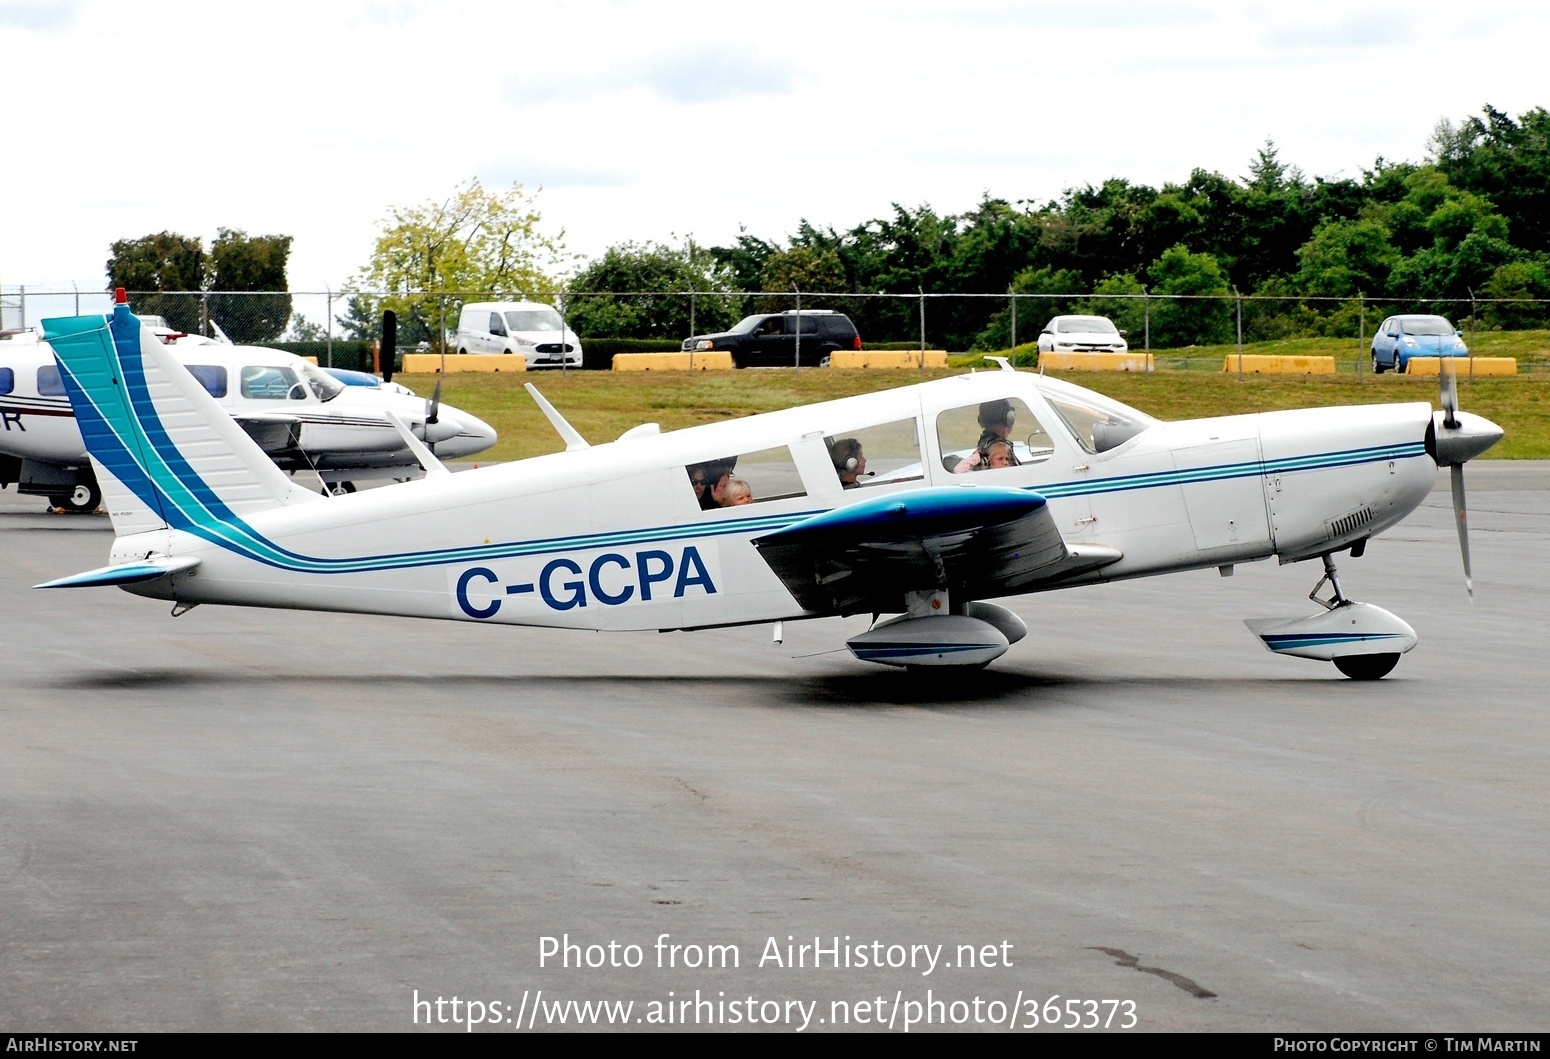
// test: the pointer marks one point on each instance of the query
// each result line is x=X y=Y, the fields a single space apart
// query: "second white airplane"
x=303 y=417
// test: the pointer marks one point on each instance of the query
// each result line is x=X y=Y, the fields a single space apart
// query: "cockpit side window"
x=211 y=376
x=748 y=478
x=880 y=454
x=991 y=435
x=7 y=380
x=265 y=383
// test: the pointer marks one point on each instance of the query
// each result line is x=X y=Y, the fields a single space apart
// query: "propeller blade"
x=389 y=343
x=1448 y=384
x=1461 y=517
x=433 y=406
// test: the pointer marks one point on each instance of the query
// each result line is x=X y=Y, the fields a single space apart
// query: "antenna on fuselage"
x=1006 y=364
x=573 y=440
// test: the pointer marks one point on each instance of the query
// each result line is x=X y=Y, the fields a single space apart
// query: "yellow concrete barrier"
x=430 y=363
x=887 y=358
x=1426 y=367
x=707 y=360
x=1095 y=361
x=311 y=360
x=1265 y=364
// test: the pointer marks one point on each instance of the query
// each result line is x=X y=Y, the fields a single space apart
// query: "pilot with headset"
x=996 y=419
x=849 y=461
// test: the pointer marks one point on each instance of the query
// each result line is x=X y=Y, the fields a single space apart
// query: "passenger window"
x=991 y=435
x=265 y=383
x=49 y=383
x=7 y=380
x=750 y=478
x=211 y=376
x=876 y=455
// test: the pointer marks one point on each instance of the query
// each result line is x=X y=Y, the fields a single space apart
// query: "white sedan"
x=1082 y=334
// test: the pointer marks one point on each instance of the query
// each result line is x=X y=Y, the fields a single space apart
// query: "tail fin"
x=165 y=453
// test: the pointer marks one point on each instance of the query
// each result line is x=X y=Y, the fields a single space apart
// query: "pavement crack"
x=1124 y=959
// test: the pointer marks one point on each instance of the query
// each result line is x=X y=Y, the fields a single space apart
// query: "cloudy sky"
x=655 y=121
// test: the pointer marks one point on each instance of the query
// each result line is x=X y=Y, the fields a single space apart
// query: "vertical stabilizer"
x=165 y=453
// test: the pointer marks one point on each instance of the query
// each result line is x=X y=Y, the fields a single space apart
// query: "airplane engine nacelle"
x=1348 y=629
x=938 y=640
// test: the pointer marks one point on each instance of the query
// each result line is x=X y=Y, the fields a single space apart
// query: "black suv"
x=770 y=340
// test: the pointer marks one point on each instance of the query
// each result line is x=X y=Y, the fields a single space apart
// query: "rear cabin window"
x=748 y=478
x=264 y=383
x=877 y=455
x=991 y=435
x=7 y=380
x=49 y=383
x=211 y=376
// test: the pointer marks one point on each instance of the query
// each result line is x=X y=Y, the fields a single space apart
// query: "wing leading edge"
x=976 y=542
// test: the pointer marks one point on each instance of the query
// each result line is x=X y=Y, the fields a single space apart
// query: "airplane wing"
x=982 y=542
x=274 y=432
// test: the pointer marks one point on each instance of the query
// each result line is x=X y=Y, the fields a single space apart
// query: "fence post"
x=21 y=305
x=1146 y=321
x=559 y=308
x=1012 y=296
x=204 y=312
x=1361 y=331
x=1239 y=299
x=691 y=330
x=922 y=290
x=1471 y=335
x=328 y=324
x=798 y=292
x=77 y=290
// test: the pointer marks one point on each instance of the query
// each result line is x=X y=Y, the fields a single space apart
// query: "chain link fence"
x=338 y=327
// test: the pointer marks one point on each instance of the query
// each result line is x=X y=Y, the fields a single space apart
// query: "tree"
x=474 y=242
x=807 y=269
x=1204 y=316
x=1345 y=258
x=361 y=320
x=1053 y=291
x=239 y=262
x=152 y=266
x=1519 y=279
x=655 y=269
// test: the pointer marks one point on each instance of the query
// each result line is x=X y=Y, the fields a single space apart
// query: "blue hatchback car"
x=1403 y=337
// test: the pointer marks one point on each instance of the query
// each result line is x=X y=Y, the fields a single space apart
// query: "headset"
x=850 y=463
x=994 y=412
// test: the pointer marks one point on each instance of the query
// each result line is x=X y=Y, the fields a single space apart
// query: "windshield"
x=1425 y=325
x=1086 y=324
x=745 y=325
x=534 y=320
x=322 y=384
x=1099 y=422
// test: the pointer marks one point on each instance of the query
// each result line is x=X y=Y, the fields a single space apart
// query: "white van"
x=532 y=329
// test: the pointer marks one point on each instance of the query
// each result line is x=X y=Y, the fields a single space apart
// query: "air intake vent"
x=1348 y=524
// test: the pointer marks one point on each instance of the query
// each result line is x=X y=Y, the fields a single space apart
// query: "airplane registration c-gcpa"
x=923 y=503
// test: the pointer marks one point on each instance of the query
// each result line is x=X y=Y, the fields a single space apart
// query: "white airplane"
x=303 y=417
x=871 y=504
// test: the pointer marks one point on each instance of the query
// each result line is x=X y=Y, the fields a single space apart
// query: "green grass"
x=602 y=405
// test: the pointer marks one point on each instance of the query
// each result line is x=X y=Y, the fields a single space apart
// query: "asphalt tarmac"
x=251 y=820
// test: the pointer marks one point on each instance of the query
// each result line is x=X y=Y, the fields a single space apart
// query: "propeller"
x=1458 y=438
x=389 y=343
x=432 y=413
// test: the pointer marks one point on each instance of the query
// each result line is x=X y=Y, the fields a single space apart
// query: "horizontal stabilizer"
x=126 y=573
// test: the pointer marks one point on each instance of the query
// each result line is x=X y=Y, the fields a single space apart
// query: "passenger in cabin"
x=710 y=482
x=738 y=493
x=999 y=454
x=849 y=461
x=996 y=419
